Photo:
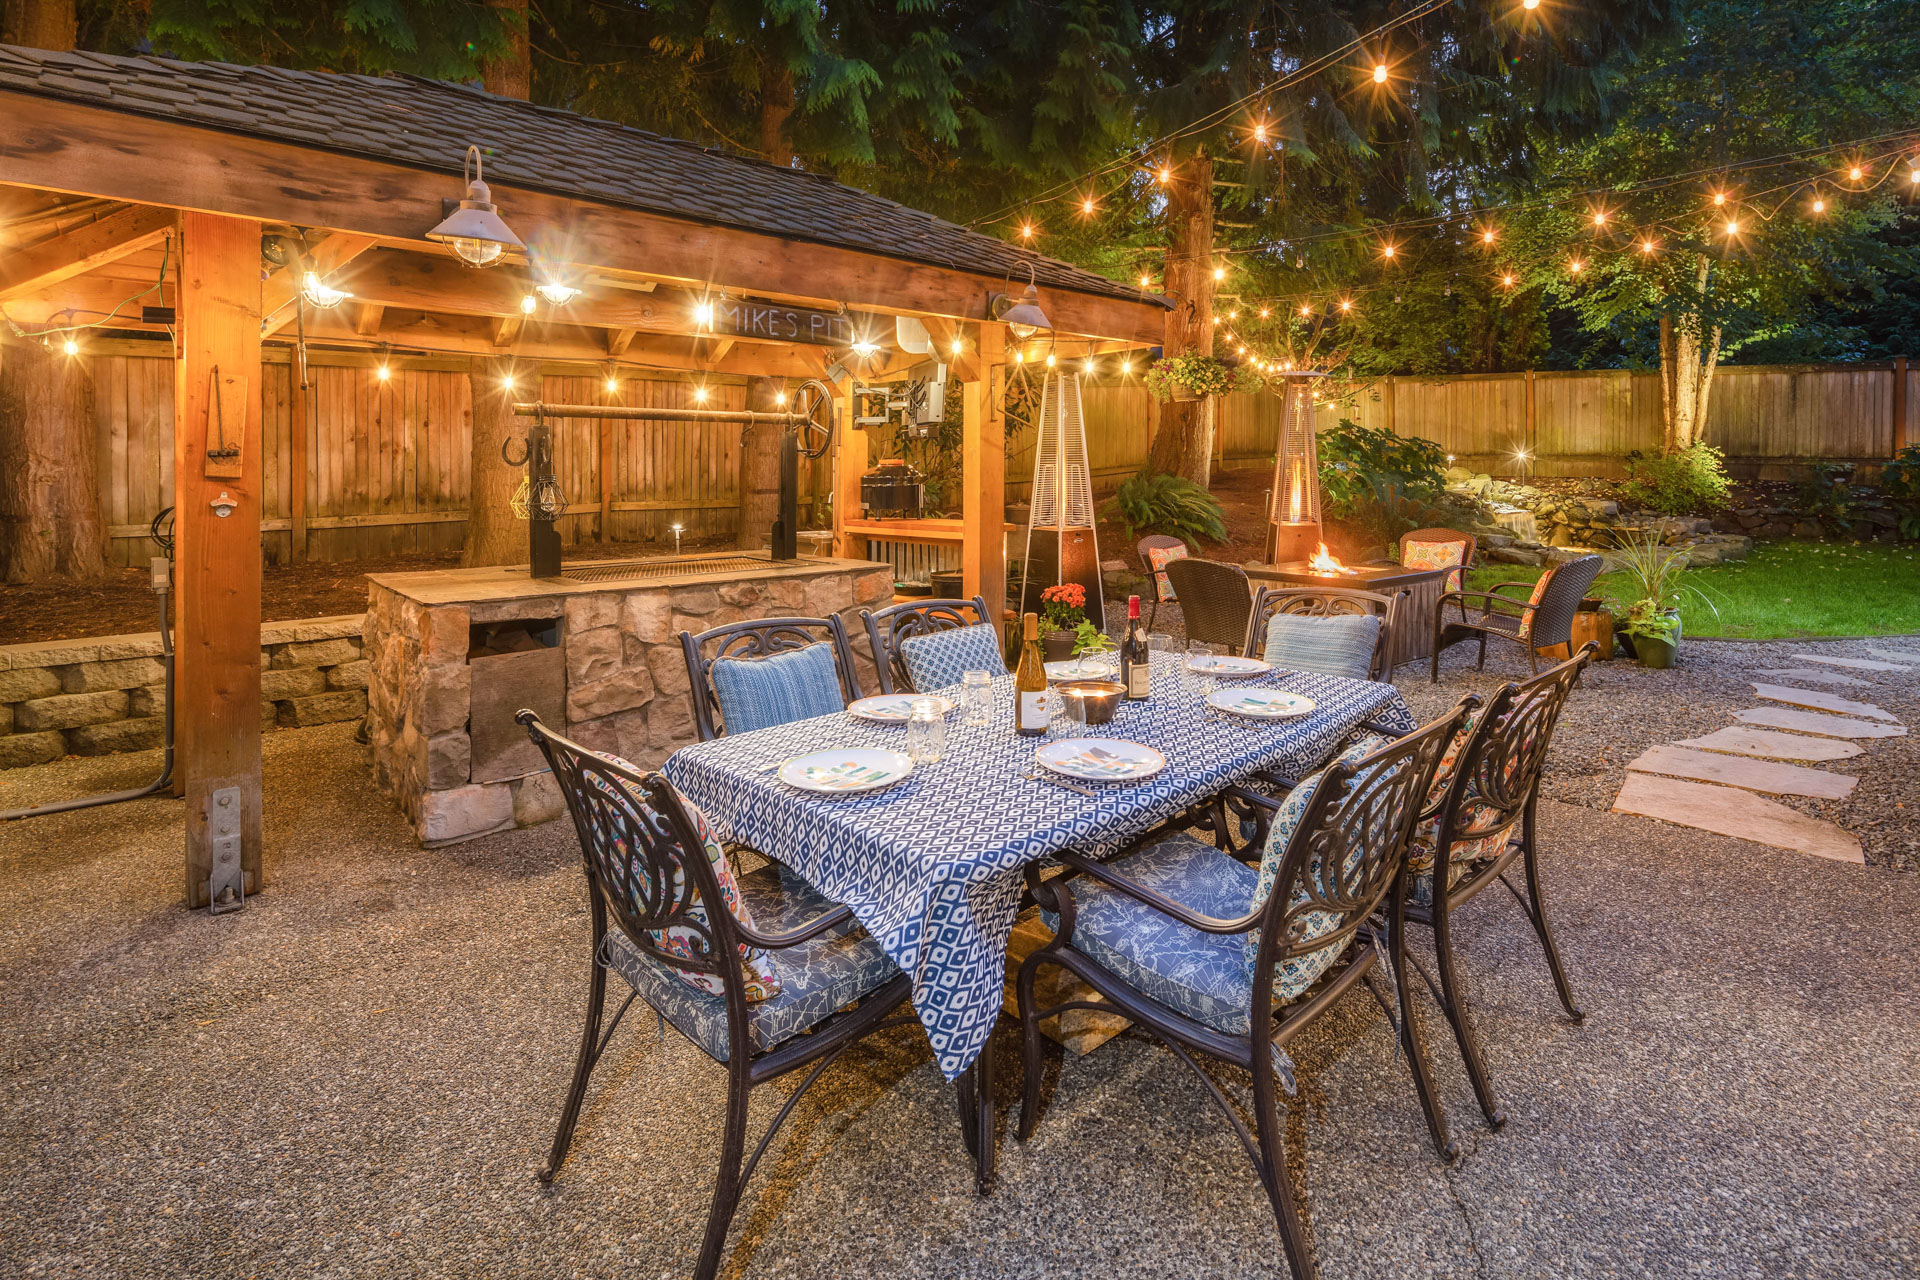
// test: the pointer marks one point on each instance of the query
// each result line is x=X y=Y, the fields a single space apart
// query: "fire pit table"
x=1412 y=638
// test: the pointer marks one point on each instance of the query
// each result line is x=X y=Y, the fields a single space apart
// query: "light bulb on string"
x=1087 y=364
x=700 y=394
x=528 y=304
x=1599 y=217
x=1733 y=226
x=1050 y=360
x=1856 y=173
x=1529 y=6
x=1379 y=73
x=956 y=346
x=612 y=385
x=1720 y=198
x=1646 y=246
x=71 y=347
x=1486 y=236
x=380 y=371
x=1260 y=131
x=1576 y=266
x=780 y=399
x=1507 y=279
x=506 y=382
x=1146 y=282
x=1388 y=249
x=1026 y=231
x=1346 y=304
x=1086 y=206
x=1219 y=273
x=1126 y=366
x=1234 y=314
x=1819 y=205
x=1306 y=309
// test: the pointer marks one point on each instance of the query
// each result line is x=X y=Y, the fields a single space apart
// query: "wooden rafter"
x=366 y=318
x=41 y=266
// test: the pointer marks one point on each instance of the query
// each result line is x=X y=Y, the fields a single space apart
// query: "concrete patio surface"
x=358 y=1075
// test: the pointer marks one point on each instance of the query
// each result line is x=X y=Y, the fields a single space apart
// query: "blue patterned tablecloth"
x=931 y=865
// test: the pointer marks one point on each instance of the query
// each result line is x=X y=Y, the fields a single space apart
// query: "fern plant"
x=1172 y=505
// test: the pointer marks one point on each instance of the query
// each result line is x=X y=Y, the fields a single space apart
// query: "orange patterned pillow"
x=1539 y=593
x=1435 y=555
x=1158 y=558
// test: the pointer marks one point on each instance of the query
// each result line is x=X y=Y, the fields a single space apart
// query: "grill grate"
x=661 y=567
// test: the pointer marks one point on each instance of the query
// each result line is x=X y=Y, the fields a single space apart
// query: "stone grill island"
x=453 y=654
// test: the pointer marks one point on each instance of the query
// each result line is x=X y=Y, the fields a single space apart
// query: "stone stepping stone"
x=1814 y=722
x=1897 y=655
x=1857 y=664
x=1753 y=775
x=1740 y=740
x=1815 y=677
x=1820 y=701
x=1739 y=814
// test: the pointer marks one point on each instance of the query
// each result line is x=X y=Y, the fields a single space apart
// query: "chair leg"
x=1537 y=912
x=1416 y=1055
x=1453 y=1003
x=1481 y=663
x=584 y=1060
x=726 y=1187
x=1030 y=1047
x=1273 y=1173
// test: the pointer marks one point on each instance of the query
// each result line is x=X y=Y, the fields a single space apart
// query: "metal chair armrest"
x=794 y=937
x=1159 y=902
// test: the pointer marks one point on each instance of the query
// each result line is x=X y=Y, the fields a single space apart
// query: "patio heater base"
x=1291 y=541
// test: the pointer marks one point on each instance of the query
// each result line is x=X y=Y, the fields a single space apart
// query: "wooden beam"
x=618 y=340
x=965 y=365
x=505 y=330
x=983 y=452
x=217 y=558
x=718 y=349
x=849 y=464
x=366 y=318
x=76 y=252
x=324 y=258
x=89 y=150
x=297 y=402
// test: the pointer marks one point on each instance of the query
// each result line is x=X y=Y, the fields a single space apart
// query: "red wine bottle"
x=1136 y=670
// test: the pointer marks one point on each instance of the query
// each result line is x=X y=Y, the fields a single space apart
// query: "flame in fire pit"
x=1322 y=562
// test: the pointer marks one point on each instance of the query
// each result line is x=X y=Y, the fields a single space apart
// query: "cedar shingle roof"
x=428 y=124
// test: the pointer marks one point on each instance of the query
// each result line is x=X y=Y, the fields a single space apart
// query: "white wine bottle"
x=1136 y=670
x=1033 y=707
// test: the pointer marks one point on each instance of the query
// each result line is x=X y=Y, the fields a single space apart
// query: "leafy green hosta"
x=1172 y=505
x=1649 y=619
x=1900 y=480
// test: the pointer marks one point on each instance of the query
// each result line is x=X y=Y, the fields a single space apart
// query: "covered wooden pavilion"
x=236 y=192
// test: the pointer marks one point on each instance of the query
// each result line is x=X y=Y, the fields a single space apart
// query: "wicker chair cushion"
x=1331 y=646
x=1539 y=593
x=1435 y=555
x=763 y=981
x=1158 y=558
x=813 y=979
x=757 y=693
x=938 y=661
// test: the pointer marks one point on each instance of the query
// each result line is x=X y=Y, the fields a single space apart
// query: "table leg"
x=974 y=1089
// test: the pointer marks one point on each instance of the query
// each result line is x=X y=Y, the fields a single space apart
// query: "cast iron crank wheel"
x=814 y=436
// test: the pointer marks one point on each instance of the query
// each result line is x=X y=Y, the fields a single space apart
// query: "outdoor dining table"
x=932 y=865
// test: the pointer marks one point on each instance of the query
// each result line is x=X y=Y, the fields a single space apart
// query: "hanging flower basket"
x=1192 y=376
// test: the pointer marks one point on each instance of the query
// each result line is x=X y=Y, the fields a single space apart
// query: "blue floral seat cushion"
x=1336 y=646
x=816 y=978
x=937 y=661
x=757 y=693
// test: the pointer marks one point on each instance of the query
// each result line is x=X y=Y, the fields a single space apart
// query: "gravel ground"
x=357 y=1075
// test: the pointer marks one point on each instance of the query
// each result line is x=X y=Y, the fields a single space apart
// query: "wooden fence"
x=384 y=465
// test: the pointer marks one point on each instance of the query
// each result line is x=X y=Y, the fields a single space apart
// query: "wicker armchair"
x=1322 y=602
x=1541 y=621
x=1215 y=599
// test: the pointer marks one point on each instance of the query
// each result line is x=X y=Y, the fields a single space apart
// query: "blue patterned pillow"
x=1337 y=646
x=938 y=661
x=796 y=685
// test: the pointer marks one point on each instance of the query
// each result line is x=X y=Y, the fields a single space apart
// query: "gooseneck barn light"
x=1023 y=318
x=475 y=230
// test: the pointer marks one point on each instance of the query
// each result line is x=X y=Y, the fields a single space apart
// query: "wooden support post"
x=297 y=401
x=217 y=556
x=1901 y=436
x=849 y=464
x=983 y=452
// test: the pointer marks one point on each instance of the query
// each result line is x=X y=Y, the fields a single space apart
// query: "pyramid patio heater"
x=1060 y=538
x=1293 y=520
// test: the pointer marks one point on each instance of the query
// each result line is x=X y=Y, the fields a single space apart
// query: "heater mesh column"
x=1061 y=545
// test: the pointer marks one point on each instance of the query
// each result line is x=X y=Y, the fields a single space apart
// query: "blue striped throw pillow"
x=796 y=685
x=1337 y=646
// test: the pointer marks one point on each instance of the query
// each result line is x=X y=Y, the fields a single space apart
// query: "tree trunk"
x=776 y=105
x=494 y=534
x=39 y=24
x=760 y=468
x=1183 y=445
x=511 y=74
x=49 y=472
x=1688 y=358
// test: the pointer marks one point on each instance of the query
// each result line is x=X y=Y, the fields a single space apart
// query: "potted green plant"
x=1063 y=611
x=1192 y=376
x=1656 y=574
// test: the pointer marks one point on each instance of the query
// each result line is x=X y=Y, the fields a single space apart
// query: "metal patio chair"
x=649 y=868
x=1325 y=602
x=1541 y=621
x=1162 y=934
x=758 y=638
x=888 y=628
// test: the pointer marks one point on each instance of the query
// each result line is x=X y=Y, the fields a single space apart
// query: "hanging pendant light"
x=475 y=230
x=1023 y=318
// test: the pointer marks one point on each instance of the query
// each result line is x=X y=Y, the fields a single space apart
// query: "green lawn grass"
x=1784 y=590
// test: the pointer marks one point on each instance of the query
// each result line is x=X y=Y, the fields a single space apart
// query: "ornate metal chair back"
x=1553 y=620
x=758 y=638
x=1324 y=602
x=1497 y=772
x=645 y=862
x=1214 y=599
x=1348 y=852
x=887 y=627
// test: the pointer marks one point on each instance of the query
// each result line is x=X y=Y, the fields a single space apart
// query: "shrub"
x=1690 y=481
x=1900 y=481
x=1173 y=505
x=1362 y=466
x=1828 y=494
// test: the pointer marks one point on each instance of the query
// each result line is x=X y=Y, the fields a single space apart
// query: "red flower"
x=1071 y=594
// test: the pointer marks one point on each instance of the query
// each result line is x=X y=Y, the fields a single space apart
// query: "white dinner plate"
x=846 y=770
x=1100 y=759
x=1222 y=664
x=1261 y=704
x=1080 y=669
x=894 y=708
